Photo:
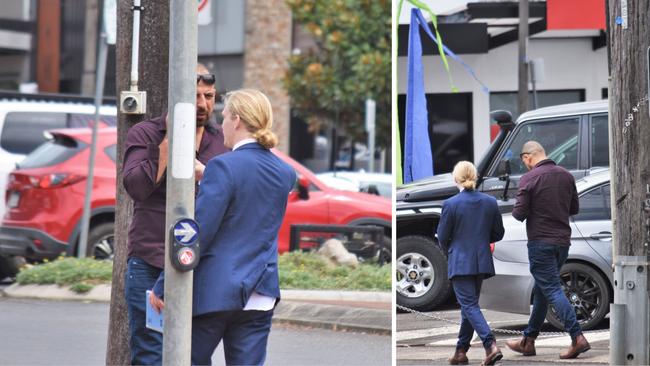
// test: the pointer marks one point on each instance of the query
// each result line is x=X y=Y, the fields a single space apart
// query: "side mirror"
x=504 y=166
x=372 y=189
x=303 y=188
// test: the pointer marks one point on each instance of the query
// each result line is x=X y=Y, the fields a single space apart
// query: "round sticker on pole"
x=184 y=253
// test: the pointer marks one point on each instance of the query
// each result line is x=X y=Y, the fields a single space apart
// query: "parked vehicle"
x=23 y=120
x=45 y=200
x=587 y=276
x=574 y=135
x=375 y=183
x=25 y=117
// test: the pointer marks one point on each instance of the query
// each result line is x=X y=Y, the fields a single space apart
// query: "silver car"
x=587 y=276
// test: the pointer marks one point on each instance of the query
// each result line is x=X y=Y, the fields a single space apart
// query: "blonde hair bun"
x=255 y=111
x=465 y=175
x=266 y=138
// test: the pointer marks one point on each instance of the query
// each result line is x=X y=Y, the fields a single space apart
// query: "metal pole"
x=522 y=96
x=533 y=81
x=99 y=92
x=370 y=127
x=181 y=129
x=135 y=48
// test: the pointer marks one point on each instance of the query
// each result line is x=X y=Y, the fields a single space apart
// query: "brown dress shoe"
x=459 y=357
x=492 y=355
x=578 y=346
x=525 y=346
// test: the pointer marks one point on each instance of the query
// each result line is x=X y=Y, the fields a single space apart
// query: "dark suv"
x=574 y=135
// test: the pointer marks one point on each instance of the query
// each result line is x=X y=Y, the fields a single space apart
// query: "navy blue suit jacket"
x=240 y=207
x=470 y=221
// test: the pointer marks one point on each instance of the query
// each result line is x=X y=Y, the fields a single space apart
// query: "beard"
x=204 y=120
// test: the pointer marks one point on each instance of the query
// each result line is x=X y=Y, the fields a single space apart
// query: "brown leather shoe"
x=459 y=357
x=525 y=346
x=492 y=355
x=578 y=346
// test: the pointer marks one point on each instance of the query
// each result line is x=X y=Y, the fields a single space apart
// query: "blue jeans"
x=545 y=263
x=146 y=344
x=467 y=289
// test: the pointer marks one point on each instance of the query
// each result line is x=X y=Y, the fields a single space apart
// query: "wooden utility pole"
x=522 y=94
x=629 y=131
x=153 y=78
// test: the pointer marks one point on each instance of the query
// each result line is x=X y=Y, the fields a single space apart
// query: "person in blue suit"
x=469 y=222
x=240 y=207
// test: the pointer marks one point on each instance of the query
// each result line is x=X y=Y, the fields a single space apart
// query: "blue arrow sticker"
x=186 y=231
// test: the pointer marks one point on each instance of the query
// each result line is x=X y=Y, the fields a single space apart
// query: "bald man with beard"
x=546 y=198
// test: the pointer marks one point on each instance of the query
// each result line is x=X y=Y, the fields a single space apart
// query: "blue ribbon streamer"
x=423 y=23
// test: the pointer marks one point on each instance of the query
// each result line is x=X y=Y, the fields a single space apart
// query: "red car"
x=45 y=197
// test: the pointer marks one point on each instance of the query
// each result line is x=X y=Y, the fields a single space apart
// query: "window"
x=595 y=205
x=52 y=152
x=545 y=98
x=111 y=151
x=599 y=141
x=559 y=138
x=23 y=131
x=84 y=120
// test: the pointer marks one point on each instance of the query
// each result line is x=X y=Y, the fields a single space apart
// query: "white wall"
x=569 y=63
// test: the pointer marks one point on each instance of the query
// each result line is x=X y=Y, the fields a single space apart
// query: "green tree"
x=329 y=83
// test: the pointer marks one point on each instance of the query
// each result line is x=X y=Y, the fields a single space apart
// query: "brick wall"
x=267 y=46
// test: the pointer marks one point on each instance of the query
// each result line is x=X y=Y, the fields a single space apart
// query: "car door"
x=311 y=210
x=594 y=223
x=560 y=137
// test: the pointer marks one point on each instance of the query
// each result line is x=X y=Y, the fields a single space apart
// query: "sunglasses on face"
x=521 y=156
x=206 y=78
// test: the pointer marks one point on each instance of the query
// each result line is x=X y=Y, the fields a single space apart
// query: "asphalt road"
x=36 y=332
x=422 y=340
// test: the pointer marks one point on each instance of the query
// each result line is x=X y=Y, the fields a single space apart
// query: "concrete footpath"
x=359 y=311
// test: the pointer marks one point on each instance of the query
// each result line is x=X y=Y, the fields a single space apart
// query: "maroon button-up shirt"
x=147 y=229
x=546 y=198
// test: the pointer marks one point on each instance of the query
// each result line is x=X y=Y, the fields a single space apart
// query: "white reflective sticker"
x=182 y=163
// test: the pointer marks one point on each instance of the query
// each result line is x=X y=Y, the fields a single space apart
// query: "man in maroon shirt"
x=546 y=198
x=144 y=178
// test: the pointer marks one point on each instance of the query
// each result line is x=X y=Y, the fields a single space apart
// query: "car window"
x=559 y=138
x=599 y=141
x=83 y=120
x=23 y=131
x=111 y=151
x=55 y=151
x=594 y=205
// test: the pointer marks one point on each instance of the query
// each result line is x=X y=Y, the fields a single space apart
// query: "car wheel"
x=10 y=265
x=385 y=251
x=588 y=293
x=101 y=240
x=421 y=275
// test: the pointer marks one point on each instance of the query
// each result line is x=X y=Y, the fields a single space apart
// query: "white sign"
x=110 y=21
x=184 y=137
x=205 y=12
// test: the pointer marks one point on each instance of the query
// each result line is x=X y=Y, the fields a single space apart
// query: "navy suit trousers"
x=467 y=289
x=244 y=334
